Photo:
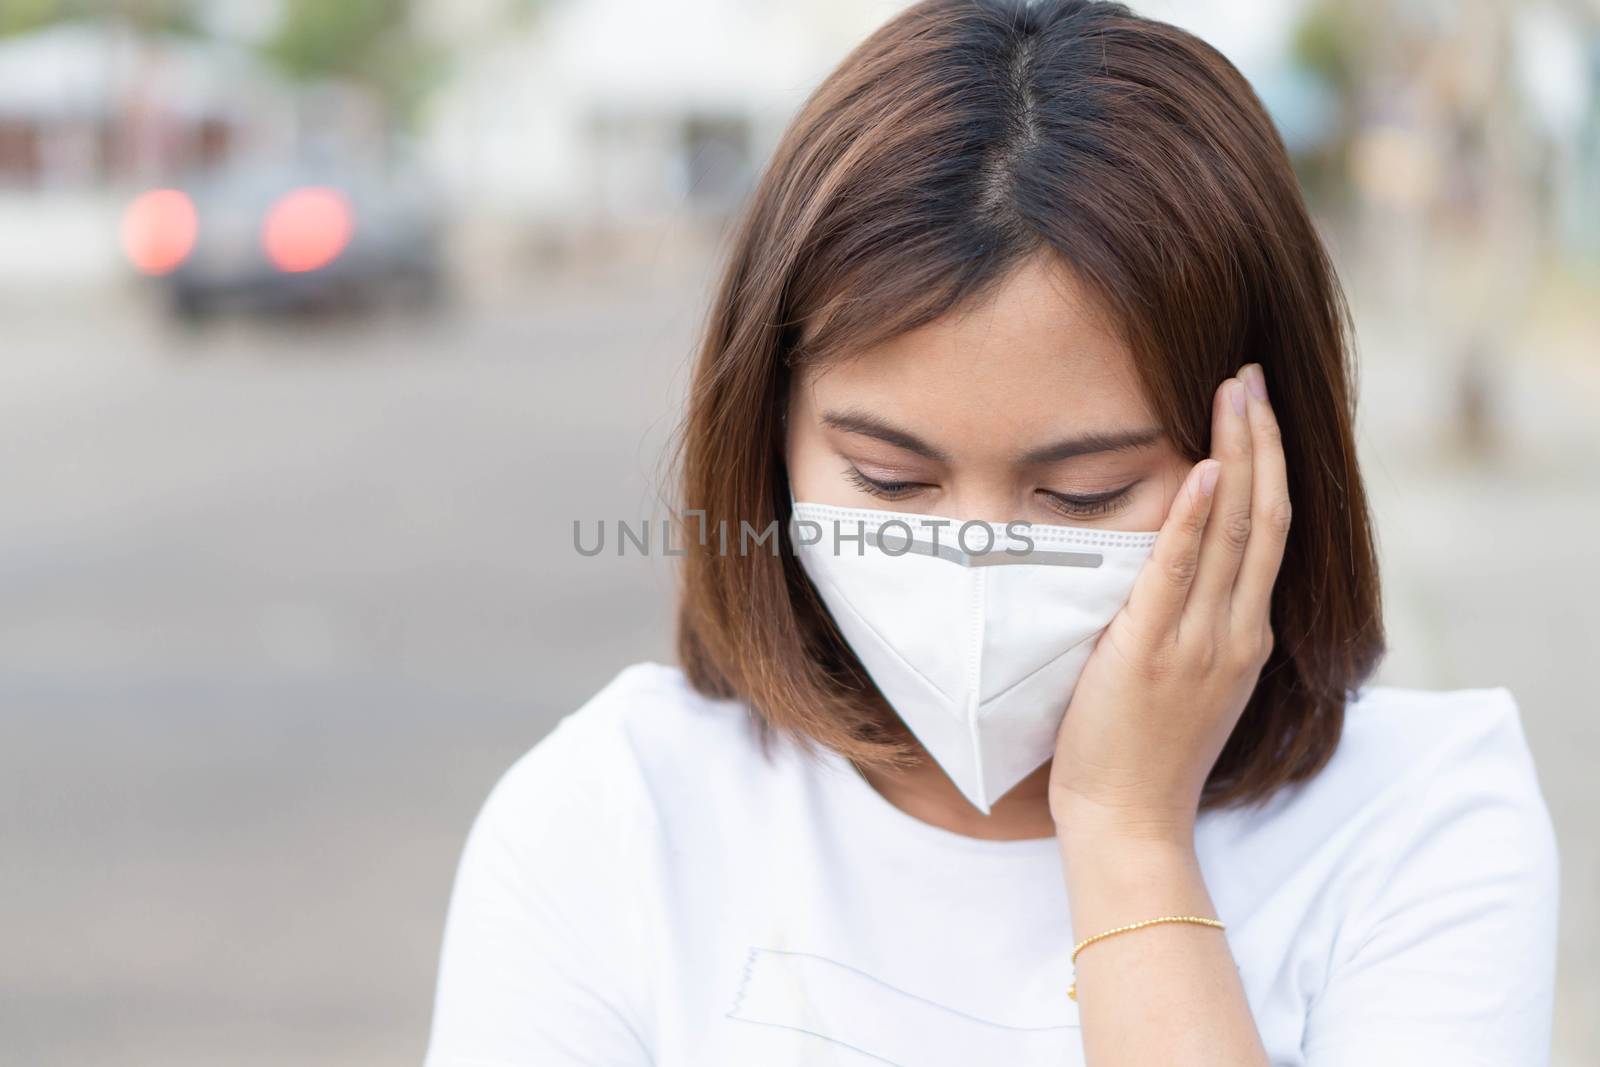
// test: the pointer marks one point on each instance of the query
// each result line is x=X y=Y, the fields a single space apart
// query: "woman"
x=1098 y=779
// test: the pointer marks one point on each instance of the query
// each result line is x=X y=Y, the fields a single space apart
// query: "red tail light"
x=159 y=230
x=307 y=228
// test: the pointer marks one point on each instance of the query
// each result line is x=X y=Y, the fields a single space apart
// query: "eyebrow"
x=1089 y=443
x=869 y=425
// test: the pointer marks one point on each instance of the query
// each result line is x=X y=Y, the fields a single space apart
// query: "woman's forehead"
x=1034 y=355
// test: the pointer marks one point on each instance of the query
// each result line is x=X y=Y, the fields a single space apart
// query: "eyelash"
x=1070 y=506
x=1092 y=507
x=882 y=490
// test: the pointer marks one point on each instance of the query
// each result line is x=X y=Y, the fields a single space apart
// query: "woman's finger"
x=1228 y=530
x=1269 y=527
x=1162 y=587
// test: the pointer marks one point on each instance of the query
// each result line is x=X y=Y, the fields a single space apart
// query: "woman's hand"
x=1171 y=674
x=1155 y=703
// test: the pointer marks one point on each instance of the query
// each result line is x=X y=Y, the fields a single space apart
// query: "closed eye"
x=882 y=489
x=1090 y=506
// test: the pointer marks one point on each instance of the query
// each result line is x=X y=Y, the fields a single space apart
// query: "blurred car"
x=286 y=237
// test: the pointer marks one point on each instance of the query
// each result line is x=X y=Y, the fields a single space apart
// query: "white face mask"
x=976 y=632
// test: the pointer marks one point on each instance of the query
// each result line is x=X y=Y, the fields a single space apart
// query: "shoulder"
x=577 y=824
x=1423 y=780
x=555 y=896
x=1461 y=776
x=1432 y=723
x=645 y=740
x=1441 y=755
x=1444 y=873
x=1402 y=747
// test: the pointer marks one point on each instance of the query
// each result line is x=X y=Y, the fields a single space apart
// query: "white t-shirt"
x=649 y=885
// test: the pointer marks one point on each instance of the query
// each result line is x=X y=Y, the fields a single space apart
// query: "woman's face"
x=1024 y=406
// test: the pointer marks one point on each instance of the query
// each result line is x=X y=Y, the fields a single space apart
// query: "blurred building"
x=611 y=115
x=94 y=103
x=94 y=110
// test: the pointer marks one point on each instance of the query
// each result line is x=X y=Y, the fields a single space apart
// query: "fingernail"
x=1236 y=396
x=1256 y=380
x=1208 y=478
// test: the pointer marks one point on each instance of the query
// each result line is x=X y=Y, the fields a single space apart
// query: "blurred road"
x=280 y=603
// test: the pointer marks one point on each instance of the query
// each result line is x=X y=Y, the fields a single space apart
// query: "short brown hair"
x=959 y=138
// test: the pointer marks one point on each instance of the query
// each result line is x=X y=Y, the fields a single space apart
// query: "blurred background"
x=320 y=323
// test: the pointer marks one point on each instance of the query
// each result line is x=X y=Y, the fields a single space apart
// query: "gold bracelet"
x=1072 y=990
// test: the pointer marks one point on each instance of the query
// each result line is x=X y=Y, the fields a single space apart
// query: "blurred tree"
x=20 y=16
x=1329 y=41
x=23 y=16
x=1333 y=43
x=370 y=42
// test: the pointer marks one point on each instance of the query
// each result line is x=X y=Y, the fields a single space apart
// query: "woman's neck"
x=924 y=792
